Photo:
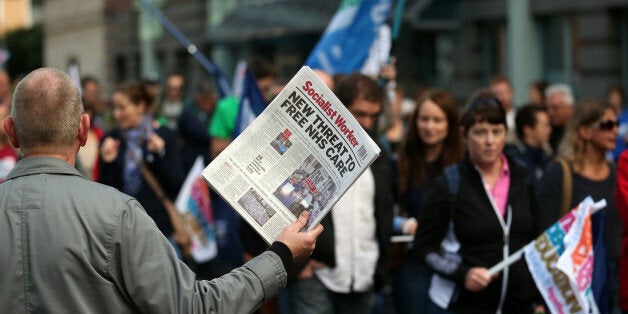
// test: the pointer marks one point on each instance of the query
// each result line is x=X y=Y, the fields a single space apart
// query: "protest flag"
x=344 y=46
x=193 y=203
x=561 y=261
x=238 y=78
x=252 y=104
x=586 y=293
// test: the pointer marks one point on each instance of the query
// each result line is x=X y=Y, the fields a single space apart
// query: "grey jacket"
x=69 y=245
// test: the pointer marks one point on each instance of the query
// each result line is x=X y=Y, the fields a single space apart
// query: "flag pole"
x=224 y=88
x=397 y=19
x=517 y=255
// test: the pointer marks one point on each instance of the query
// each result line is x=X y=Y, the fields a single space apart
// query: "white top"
x=510 y=123
x=355 y=243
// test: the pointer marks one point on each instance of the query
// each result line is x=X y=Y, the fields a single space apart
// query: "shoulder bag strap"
x=180 y=235
x=567 y=186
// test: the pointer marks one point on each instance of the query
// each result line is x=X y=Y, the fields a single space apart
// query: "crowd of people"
x=470 y=184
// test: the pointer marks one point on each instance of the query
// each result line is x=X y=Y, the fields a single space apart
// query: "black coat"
x=167 y=168
x=481 y=238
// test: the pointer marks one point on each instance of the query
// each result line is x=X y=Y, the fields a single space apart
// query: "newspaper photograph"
x=300 y=154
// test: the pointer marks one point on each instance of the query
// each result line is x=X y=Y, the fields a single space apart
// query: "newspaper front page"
x=302 y=153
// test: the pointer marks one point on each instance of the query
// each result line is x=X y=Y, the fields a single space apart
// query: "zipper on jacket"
x=506 y=233
x=506 y=253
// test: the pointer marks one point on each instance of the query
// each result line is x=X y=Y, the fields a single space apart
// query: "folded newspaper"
x=301 y=153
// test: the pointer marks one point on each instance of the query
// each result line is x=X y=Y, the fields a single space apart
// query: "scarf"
x=134 y=139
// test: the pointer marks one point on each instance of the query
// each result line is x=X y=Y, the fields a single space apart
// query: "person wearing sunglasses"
x=590 y=134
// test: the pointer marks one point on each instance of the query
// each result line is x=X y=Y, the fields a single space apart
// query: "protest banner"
x=561 y=261
x=193 y=203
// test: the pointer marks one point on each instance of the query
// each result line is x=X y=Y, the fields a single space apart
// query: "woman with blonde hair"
x=590 y=135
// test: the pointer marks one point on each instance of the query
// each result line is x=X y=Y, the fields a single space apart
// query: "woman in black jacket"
x=137 y=139
x=488 y=215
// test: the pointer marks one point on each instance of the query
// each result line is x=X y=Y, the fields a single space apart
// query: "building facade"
x=453 y=44
x=74 y=32
x=15 y=14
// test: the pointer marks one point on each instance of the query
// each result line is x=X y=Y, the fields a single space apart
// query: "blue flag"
x=344 y=46
x=252 y=104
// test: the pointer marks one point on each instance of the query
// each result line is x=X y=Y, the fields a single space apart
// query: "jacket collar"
x=36 y=165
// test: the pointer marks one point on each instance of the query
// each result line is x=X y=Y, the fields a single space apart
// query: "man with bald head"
x=70 y=245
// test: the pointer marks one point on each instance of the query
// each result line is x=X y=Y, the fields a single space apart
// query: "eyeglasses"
x=606 y=125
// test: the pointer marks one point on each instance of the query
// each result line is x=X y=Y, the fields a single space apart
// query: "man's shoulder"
x=99 y=194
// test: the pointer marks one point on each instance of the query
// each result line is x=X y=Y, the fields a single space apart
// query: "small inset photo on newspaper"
x=309 y=188
x=256 y=206
x=282 y=142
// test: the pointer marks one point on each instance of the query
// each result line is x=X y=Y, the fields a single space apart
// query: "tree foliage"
x=25 y=46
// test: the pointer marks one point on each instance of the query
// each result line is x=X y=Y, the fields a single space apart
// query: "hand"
x=301 y=244
x=409 y=226
x=477 y=279
x=315 y=264
x=109 y=149
x=389 y=71
x=308 y=270
x=155 y=144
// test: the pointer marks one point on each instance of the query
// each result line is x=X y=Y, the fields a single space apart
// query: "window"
x=492 y=45
x=557 y=56
x=622 y=43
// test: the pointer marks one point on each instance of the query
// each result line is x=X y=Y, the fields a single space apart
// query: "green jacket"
x=69 y=245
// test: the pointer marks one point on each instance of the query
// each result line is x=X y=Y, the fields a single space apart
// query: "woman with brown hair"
x=482 y=209
x=432 y=142
x=139 y=140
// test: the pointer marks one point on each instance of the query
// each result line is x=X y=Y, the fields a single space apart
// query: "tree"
x=25 y=46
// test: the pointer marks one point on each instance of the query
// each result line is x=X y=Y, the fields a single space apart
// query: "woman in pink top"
x=479 y=212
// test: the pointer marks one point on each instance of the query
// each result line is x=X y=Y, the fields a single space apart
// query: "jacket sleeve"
x=167 y=167
x=146 y=270
x=433 y=228
x=383 y=216
x=110 y=173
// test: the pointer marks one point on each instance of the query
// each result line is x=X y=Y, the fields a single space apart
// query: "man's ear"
x=9 y=127
x=83 y=129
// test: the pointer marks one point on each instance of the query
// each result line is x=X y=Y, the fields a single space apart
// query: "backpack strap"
x=567 y=186
x=453 y=182
x=453 y=179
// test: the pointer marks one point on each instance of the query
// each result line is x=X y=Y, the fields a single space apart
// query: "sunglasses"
x=606 y=125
